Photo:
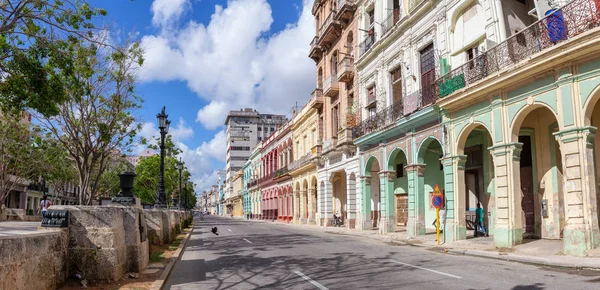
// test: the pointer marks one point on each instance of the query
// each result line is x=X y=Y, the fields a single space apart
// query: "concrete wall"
x=37 y=261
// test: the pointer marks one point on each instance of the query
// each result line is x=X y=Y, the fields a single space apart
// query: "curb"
x=160 y=282
x=524 y=259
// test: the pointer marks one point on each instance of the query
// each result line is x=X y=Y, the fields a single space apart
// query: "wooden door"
x=401 y=210
x=527 y=198
x=427 y=75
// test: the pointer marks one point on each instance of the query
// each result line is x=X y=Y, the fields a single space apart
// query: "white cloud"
x=182 y=131
x=216 y=147
x=231 y=64
x=167 y=11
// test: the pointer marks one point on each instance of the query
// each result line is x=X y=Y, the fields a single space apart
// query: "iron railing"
x=380 y=120
x=391 y=20
x=280 y=172
x=301 y=161
x=565 y=23
x=367 y=43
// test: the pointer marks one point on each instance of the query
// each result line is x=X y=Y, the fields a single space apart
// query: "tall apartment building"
x=245 y=128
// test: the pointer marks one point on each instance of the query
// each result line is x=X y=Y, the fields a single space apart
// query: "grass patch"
x=157 y=257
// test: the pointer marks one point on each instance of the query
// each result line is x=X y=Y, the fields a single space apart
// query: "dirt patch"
x=160 y=256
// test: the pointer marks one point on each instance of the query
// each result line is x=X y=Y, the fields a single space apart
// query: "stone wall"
x=36 y=261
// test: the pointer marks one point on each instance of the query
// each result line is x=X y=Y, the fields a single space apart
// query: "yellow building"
x=307 y=131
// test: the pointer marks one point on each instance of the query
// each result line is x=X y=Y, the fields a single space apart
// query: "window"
x=259 y=129
x=371 y=15
x=371 y=97
x=399 y=170
x=239 y=148
x=396 y=78
x=472 y=54
x=372 y=111
x=272 y=129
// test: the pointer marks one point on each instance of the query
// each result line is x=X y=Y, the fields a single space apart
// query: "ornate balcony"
x=563 y=25
x=330 y=31
x=329 y=145
x=391 y=20
x=315 y=50
x=346 y=9
x=331 y=86
x=307 y=158
x=281 y=173
x=346 y=69
x=316 y=100
x=367 y=43
x=381 y=120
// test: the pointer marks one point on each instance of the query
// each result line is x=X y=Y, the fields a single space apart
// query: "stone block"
x=24 y=259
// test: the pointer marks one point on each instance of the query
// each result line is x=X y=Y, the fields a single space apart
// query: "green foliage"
x=39 y=41
x=109 y=181
x=96 y=122
x=20 y=159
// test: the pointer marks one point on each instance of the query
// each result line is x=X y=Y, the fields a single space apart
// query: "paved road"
x=257 y=255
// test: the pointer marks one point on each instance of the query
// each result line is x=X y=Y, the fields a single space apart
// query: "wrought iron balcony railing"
x=302 y=160
x=391 y=20
x=367 y=43
x=280 y=172
x=565 y=23
x=384 y=118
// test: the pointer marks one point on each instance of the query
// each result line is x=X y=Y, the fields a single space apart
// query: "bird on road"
x=214 y=231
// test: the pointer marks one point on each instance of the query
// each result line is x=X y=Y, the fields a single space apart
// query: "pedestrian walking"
x=479 y=226
x=44 y=205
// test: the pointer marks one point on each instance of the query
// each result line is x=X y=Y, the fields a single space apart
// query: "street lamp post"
x=186 y=198
x=163 y=125
x=180 y=166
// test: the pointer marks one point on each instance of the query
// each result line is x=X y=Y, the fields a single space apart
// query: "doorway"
x=527 y=197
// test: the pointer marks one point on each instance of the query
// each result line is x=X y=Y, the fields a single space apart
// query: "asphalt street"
x=259 y=255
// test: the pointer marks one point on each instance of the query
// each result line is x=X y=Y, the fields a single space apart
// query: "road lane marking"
x=311 y=281
x=247 y=240
x=229 y=230
x=433 y=271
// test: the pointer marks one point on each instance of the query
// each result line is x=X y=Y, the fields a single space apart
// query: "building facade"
x=334 y=50
x=305 y=150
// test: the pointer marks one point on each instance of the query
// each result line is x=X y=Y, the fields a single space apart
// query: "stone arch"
x=590 y=105
x=313 y=195
x=368 y=165
x=466 y=131
x=423 y=146
x=392 y=156
x=538 y=173
x=517 y=121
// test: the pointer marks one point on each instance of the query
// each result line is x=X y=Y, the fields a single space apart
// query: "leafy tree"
x=109 y=183
x=38 y=44
x=57 y=169
x=20 y=160
x=96 y=121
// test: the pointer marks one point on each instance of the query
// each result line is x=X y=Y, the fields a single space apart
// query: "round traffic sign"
x=437 y=201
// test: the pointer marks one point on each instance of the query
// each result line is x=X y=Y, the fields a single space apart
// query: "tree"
x=57 y=169
x=38 y=41
x=19 y=158
x=96 y=121
x=109 y=183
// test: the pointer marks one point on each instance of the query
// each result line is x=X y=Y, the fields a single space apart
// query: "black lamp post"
x=180 y=167
x=163 y=125
x=186 y=197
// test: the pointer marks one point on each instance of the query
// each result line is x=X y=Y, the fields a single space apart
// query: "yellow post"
x=437 y=221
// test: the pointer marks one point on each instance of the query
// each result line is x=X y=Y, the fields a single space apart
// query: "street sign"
x=437 y=199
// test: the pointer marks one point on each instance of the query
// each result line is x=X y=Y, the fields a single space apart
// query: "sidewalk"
x=16 y=228
x=539 y=252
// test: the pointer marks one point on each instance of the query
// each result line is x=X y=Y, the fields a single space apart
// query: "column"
x=508 y=230
x=365 y=211
x=416 y=199
x=303 y=206
x=351 y=203
x=296 y=207
x=386 y=190
x=581 y=231
x=455 y=197
x=311 y=206
x=328 y=203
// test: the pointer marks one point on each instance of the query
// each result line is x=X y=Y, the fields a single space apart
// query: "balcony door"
x=427 y=74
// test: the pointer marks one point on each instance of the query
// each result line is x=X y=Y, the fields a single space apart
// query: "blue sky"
x=206 y=57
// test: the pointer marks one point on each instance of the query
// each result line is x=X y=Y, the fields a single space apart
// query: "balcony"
x=315 y=50
x=307 y=158
x=391 y=20
x=252 y=183
x=346 y=69
x=316 y=100
x=346 y=9
x=381 y=120
x=329 y=144
x=367 y=43
x=280 y=173
x=331 y=86
x=330 y=31
x=566 y=23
